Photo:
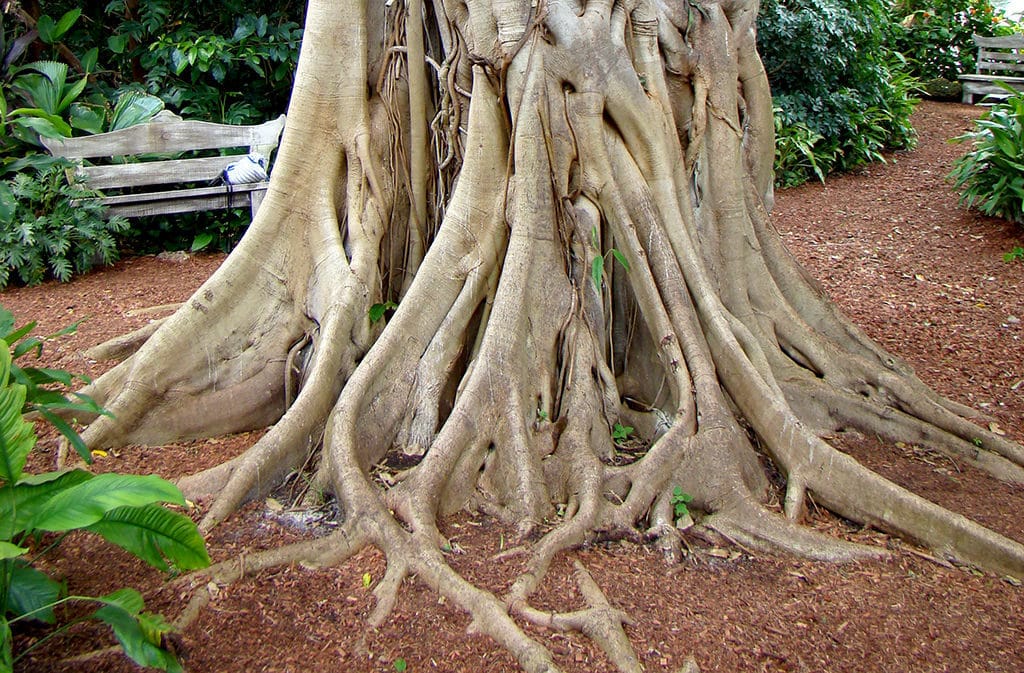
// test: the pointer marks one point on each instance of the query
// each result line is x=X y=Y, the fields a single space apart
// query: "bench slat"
x=1005 y=42
x=1002 y=56
x=118 y=176
x=169 y=134
x=992 y=78
x=185 y=200
x=167 y=137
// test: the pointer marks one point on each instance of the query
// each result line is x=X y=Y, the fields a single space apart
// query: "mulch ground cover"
x=890 y=244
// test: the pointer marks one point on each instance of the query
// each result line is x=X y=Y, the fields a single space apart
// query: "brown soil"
x=922 y=275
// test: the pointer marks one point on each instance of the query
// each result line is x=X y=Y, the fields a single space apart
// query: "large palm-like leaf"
x=86 y=503
x=154 y=534
x=16 y=434
x=46 y=85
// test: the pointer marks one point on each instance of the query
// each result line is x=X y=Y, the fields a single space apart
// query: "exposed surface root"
x=597 y=333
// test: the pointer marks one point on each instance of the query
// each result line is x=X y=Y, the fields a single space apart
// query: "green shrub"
x=50 y=227
x=795 y=153
x=935 y=36
x=231 y=62
x=126 y=510
x=990 y=177
x=842 y=96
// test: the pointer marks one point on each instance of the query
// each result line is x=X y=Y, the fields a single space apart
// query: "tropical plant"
x=225 y=63
x=38 y=510
x=936 y=37
x=49 y=392
x=840 y=93
x=49 y=226
x=990 y=177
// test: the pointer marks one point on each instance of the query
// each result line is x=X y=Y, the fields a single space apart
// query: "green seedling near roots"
x=1014 y=255
x=377 y=311
x=680 y=500
x=400 y=665
x=597 y=266
x=621 y=433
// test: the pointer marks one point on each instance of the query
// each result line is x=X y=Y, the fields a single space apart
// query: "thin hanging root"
x=601 y=622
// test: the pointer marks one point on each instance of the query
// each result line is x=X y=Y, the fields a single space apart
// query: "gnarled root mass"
x=568 y=203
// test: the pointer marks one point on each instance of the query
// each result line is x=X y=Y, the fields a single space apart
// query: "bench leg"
x=255 y=199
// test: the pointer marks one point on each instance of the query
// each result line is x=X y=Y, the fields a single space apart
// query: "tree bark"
x=568 y=202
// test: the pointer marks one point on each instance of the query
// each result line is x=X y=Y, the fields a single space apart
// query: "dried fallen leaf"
x=274 y=505
x=994 y=427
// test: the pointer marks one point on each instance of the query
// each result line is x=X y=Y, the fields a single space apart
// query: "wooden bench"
x=153 y=182
x=1000 y=59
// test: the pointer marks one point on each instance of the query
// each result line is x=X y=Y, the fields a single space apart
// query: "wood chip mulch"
x=889 y=243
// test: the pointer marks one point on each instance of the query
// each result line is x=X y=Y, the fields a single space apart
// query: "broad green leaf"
x=86 y=503
x=140 y=634
x=134 y=108
x=43 y=375
x=154 y=534
x=87 y=118
x=65 y=22
x=9 y=551
x=70 y=95
x=597 y=271
x=6 y=320
x=17 y=436
x=89 y=59
x=8 y=203
x=201 y=241
x=117 y=43
x=32 y=592
x=47 y=28
x=26 y=345
x=376 y=312
x=20 y=503
x=47 y=127
x=44 y=82
x=126 y=599
x=621 y=259
x=6 y=647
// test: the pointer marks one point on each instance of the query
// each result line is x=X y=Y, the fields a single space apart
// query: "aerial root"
x=287 y=445
x=120 y=347
x=601 y=622
x=750 y=525
x=386 y=592
x=321 y=552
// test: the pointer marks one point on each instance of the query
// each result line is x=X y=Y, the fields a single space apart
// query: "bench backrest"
x=166 y=134
x=1004 y=55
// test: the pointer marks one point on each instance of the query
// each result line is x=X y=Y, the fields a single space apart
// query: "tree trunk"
x=567 y=201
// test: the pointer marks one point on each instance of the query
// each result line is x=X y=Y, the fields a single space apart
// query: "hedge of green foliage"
x=842 y=94
x=230 y=62
x=990 y=177
x=935 y=36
